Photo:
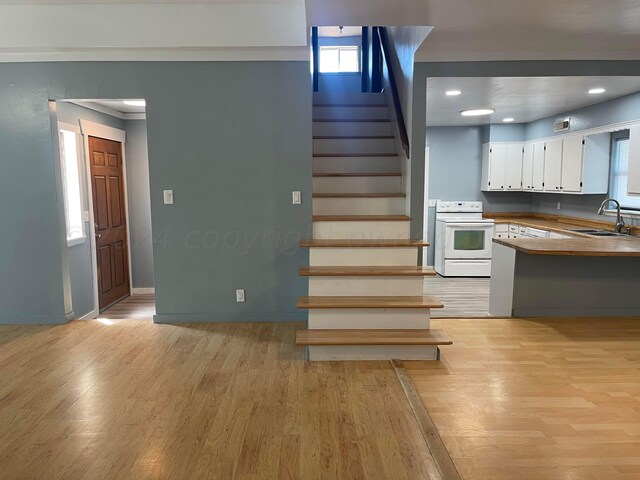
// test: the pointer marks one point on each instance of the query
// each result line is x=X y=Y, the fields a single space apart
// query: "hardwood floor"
x=537 y=399
x=120 y=399
x=462 y=297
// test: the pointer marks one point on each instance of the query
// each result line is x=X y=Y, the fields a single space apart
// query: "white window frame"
x=82 y=238
x=614 y=150
x=339 y=48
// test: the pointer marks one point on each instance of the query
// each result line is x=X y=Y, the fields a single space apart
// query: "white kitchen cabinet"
x=514 y=160
x=572 y=159
x=501 y=167
x=537 y=176
x=553 y=166
x=527 y=167
x=633 y=179
x=595 y=164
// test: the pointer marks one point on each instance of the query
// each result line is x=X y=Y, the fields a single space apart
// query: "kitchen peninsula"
x=580 y=276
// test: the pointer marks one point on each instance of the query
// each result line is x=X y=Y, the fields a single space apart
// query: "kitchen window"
x=619 y=170
x=71 y=189
x=340 y=59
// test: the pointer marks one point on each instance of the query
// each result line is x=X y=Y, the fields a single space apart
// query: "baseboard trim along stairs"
x=365 y=297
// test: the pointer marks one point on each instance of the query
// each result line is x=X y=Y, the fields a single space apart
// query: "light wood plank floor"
x=462 y=297
x=537 y=399
x=119 y=399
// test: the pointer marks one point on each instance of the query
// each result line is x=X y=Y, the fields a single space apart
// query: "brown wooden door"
x=107 y=184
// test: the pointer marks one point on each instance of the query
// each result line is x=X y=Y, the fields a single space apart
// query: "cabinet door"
x=497 y=167
x=514 y=167
x=553 y=166
x=537 y=174
x=633 y=179
x=572 y=157
x=527 y=167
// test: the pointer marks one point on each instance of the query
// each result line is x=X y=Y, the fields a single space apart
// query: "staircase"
x=366 y=297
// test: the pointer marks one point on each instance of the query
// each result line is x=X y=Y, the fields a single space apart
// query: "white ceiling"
x=335 y=31
x=542 y=29
x=464 y=30
x=523 y=98
x=113 y=107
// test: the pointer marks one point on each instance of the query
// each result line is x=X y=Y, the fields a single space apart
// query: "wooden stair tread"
x=358 y=195
x=353 y=120
x=368 y=271
x=349 y=105
x=361 y=218
x=353 y=137
x=419 y=302
x=372 y=337
x=337 y=155
x=362 y=243
x=359 y=174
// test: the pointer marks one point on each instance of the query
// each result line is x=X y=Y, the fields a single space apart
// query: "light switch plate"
x=432 y=202
x=239 y=296
x=297 y=198
x=168 y=197
x=85 y=216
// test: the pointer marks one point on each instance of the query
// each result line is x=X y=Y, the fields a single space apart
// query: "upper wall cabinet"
x=633 y=179
x=576 y=165
x=502 y=166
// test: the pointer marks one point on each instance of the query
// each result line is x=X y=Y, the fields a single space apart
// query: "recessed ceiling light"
x=453 y=93
x=595 y=91
x=477 y=112
x=135 y=103
x=508 y=120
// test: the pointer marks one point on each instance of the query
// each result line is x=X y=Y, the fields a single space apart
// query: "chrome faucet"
x=619 y=220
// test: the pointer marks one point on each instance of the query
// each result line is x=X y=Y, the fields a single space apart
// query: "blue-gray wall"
x=139 y=199
x=507 y=132
x=232 y=139
x=455 y=165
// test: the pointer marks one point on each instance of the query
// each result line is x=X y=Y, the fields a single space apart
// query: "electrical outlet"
x=297 y=198
x=239 y=296
x=168 y=197
x=558 y=206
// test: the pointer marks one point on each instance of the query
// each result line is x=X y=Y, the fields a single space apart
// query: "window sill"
x=71 y=242
x=623 y=212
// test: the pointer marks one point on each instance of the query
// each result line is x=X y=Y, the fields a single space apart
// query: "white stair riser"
x=359 y=206
x=372 y=352
x=369 y=318
x=350 y=113
x=386 y=257
x=353 y=145
x=365 y=286
x=355 y=164
x=355 y=98
x=361 y=229
x=351 y=129
x=357 y=184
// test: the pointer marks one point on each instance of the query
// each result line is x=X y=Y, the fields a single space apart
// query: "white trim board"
x=143 y=291
x=109 y=133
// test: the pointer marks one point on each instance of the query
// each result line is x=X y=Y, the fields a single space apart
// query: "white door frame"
x=92 y=129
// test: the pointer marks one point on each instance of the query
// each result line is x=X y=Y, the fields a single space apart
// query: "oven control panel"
x=458 y=207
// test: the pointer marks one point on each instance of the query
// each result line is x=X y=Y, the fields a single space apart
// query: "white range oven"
x=463 y=240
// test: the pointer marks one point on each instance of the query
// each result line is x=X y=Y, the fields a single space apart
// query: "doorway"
x=110 y=221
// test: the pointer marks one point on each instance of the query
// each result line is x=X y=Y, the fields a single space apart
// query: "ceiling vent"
x=562 y=124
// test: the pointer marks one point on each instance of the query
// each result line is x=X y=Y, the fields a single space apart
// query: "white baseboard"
x=142 y=291
x=91 y=315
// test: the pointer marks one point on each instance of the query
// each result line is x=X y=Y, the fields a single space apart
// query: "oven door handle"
x=486 y=225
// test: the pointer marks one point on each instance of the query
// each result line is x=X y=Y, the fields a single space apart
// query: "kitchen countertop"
x=578 y=246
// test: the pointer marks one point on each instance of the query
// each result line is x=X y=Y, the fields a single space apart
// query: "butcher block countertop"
x=554 y=223
x=577 y=246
